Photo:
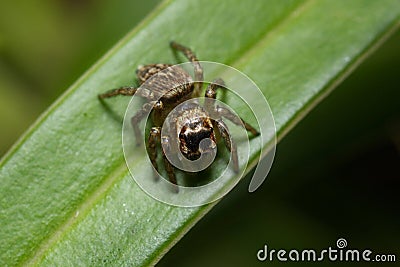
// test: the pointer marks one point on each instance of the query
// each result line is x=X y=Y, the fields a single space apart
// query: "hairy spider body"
x=171 y=86
x=166 y=86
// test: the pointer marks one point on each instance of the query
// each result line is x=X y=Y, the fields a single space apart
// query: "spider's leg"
x=211 y=94
x=154 y=138
x=171 y=173
x=127 y=91
x=229 y=143
x=168 y=166
x=146 y=108
x=224 y=112
x=158 y=110
x=198 y=70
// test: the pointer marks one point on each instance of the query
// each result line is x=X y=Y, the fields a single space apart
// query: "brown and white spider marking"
x=168 y=87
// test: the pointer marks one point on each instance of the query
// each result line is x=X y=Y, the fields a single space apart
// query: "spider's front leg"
x=154 y=138
x=211 y=95
x=226 y=113
x=209 y=104
x=218 y=112
x=211 y=92
x=165 y=143
x=229 y=143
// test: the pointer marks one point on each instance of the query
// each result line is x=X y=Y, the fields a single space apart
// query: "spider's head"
x=197 y=137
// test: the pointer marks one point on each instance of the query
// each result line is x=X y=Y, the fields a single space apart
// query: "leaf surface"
x=67 y=196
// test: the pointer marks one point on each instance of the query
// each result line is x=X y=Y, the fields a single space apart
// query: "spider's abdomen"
x=170 y=83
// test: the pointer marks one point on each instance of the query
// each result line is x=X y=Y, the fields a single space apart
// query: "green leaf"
x=67 y=196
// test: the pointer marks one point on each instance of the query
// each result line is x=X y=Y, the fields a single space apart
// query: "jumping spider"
x=171 y=85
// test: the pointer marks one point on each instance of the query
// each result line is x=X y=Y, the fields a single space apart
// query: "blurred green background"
x=335 y=175
x=46 y=45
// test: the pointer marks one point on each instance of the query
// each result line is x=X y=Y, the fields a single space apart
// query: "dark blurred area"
x=336 y=174
x=46 y=45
